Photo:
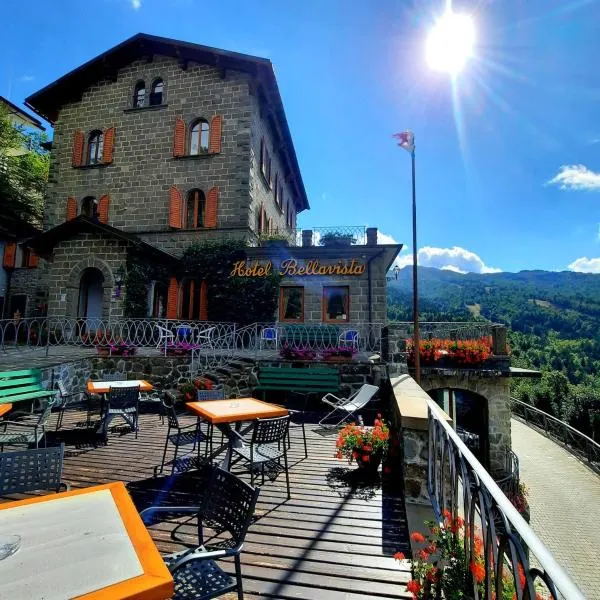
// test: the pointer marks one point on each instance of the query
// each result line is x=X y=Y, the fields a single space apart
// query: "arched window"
x=95 y=146
x=158 y=300
x=156 y=96
x=89 y=207
x=195 y=209
x=199 y=134
x=139 y=94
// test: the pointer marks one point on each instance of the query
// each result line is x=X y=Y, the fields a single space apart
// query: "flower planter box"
x=337 y=359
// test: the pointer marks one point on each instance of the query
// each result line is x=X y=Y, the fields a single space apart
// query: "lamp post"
x=406 y=140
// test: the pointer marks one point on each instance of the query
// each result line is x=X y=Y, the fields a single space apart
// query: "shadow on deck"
x=332 y=540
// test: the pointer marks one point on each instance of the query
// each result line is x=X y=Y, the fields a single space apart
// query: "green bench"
x=16 y=386
x=322 y=336
x=299 y=380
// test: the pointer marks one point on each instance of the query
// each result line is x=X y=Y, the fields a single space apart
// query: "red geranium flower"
x=413 y=586
x=417 y=537
x=366 y=458
x=478 y=571
x=399 y=556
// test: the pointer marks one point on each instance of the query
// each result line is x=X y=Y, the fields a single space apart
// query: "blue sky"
x=508 y=158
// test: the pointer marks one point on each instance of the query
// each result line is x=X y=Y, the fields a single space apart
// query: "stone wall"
x=143 y=167
x=496 y=391
x=262 y=193
x=71 y=258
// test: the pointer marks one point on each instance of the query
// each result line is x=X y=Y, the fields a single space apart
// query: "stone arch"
x=74 y=280
x=496 y=390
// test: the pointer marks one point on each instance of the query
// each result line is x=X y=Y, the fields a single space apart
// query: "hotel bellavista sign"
x=294 y=268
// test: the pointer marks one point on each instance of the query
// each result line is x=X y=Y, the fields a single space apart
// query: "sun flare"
x=450 y=42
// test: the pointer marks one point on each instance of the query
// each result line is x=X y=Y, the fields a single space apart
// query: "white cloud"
x=136 y=4
x=384 y=238
x=585 y=265
x=576 y=177
x=26 y=78
x=457 y=259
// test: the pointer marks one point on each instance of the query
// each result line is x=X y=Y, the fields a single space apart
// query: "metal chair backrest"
x=172 y=419
x=114 y=377
x=30 y=470
x=229 y=505
x=349 y=336
x=210 y=395
x=269 y=431
x=121 y=398
x=62 y=390
x=364 y=396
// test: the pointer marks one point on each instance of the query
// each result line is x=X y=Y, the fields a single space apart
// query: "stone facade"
x=496 y=391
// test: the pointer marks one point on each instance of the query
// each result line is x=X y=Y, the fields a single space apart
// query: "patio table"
x=88 y=544
x=103 y=387
x=4 y=408
x=222 y=413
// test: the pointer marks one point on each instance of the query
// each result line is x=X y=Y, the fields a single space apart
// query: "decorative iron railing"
x=580 y=444
x=450 y=330
x=340 y=235
x=457 y=482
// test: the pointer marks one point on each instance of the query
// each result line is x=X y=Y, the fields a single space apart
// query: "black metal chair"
x=227 y=508
x=204 y=396
x=32 y=470
x=65 y=399
x=180 y=435
x=25 y=427
x=267 y=447
x=122 y=402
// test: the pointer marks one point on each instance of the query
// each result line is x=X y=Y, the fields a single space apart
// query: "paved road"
x=565 y=505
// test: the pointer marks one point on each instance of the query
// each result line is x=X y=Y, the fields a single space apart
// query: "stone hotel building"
x=159 y=144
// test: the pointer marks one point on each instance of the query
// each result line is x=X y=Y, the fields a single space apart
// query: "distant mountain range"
x=528 y=301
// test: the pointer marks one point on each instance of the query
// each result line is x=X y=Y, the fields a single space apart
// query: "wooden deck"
x=332 y=540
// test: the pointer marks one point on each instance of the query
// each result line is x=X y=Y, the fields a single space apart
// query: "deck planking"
x=329 y=541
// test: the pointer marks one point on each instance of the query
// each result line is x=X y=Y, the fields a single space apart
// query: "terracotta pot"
x=370 y=466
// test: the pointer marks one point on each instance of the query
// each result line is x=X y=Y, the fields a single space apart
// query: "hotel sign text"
x=293 y=268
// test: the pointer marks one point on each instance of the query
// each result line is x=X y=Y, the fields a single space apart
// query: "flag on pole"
x=406 y=140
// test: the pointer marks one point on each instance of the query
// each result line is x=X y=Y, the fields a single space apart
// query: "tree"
x=23 y=175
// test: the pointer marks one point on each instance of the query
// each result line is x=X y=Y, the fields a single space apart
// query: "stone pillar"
x=499 y=340
x=307 y=237
x=371 y=236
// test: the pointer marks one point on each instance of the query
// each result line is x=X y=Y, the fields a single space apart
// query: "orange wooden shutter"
x=203 y=300
x=71 y=208
x=33 y=260
x=214 y=142
x=212 y=205
x=172 y=297
x=103 y=205
x=10 y=254
x=107 y=148
x=175 y=207
x=78 y=143
x=179 y=137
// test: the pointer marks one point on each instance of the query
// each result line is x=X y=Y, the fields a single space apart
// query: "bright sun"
x=450 y=42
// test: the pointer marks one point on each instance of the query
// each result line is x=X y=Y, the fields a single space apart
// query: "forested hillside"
x=554 y=326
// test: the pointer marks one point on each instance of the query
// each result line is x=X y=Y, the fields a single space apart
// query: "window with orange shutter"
x=71 y=209
x=216 y=126
x=212 y=207
x=107 y=149
x=175 y=207
x=103 y=205
x=172 y=298
x=10 y=255
x=179 y=137
x=78 y=144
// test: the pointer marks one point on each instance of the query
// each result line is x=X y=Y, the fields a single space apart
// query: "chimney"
x=371 y=236
x=307 y=237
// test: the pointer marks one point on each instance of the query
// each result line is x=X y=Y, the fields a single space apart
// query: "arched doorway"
x=469 y=412
x=91 y=291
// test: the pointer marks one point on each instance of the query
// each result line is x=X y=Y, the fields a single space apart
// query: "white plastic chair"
x=351 y=338
x=268 y=335
x=348 y=406
x=164 y=336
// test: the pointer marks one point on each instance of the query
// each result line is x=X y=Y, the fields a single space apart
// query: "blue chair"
x=350 y=338
x=268 y=335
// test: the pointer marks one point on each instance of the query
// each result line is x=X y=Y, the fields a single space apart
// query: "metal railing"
x=447 y=330
x=508 y=479
x=580 y=444
x=459 y=483
x=341 y=235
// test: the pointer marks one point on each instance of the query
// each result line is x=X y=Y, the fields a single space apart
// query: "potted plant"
x=337 y=239
x=179 y=348
x=365 y=445
x=115 y=348
x=188 y=391
x=441 y=569
x=338 y=354
x=275 y=239
x=297 y=353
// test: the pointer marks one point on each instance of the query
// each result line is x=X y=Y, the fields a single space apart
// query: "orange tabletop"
x=4 y=408
x=103 y=387
x=154 y=583
x=236 y=409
